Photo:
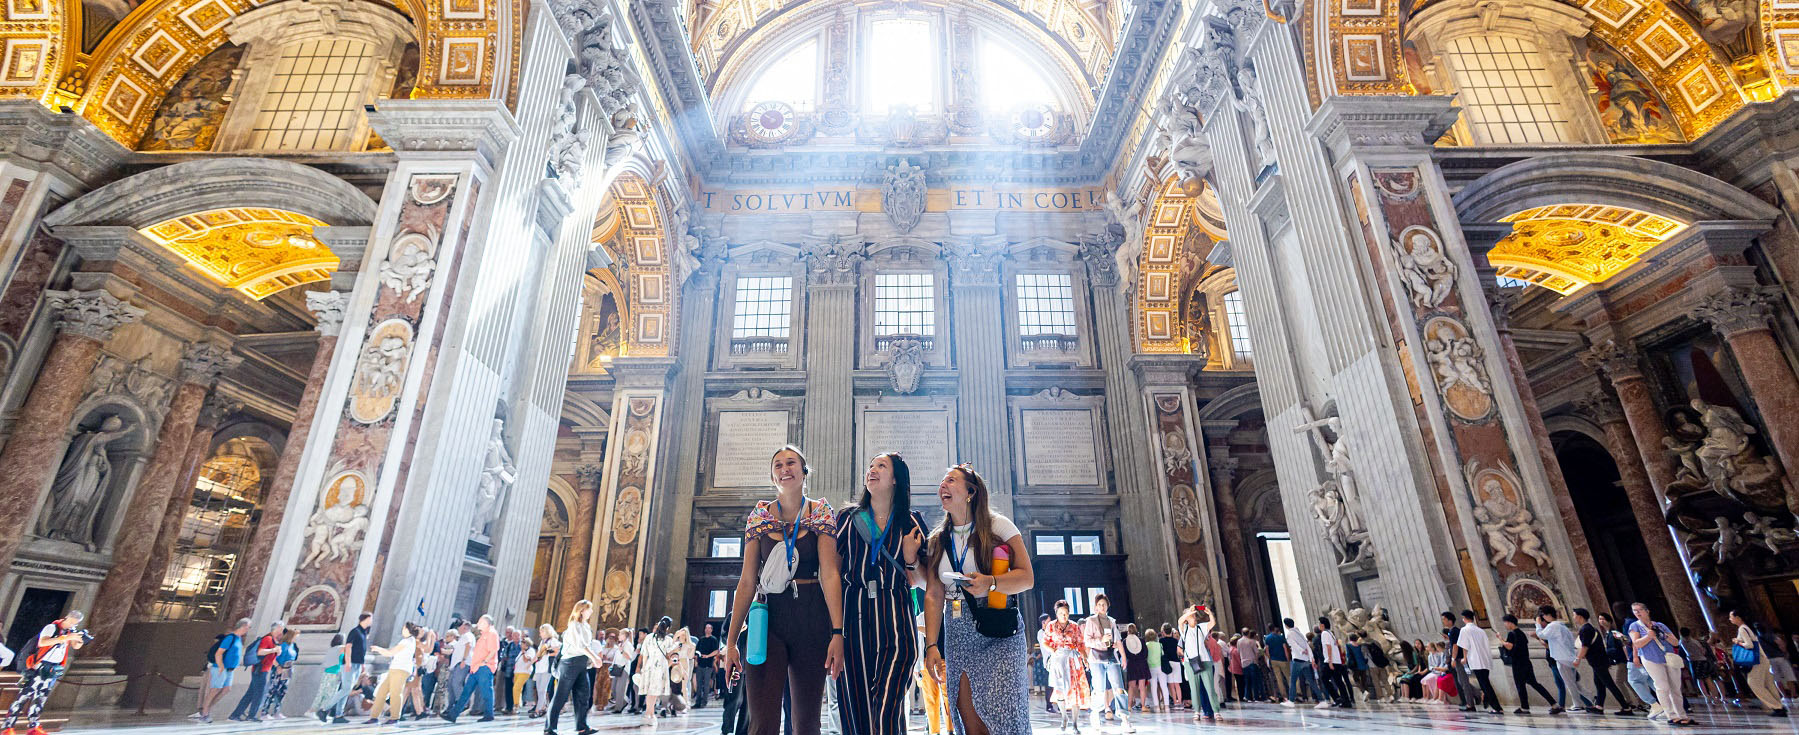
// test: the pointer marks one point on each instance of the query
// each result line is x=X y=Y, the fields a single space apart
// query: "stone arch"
x=1599 y=178
x=1167 y=261
x=1233 y=403
x=200 y=185
x=651 y=277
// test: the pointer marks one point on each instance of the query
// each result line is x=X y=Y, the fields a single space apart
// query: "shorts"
x=1782 y=668
x=219 y=678
x=1166 y=677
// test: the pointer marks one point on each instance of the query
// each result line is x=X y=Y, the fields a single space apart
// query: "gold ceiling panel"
x=1169 y=221
x=254 y=250
x=1567 y=246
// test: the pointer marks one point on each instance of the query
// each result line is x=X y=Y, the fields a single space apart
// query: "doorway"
x=37 y=608
x=1611 y=528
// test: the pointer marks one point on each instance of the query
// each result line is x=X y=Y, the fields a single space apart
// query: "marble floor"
x=1260 y=718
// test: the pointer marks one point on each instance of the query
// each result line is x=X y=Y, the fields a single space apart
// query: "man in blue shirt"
x=1276 y=645
x=1358 y=667
x=221 y=667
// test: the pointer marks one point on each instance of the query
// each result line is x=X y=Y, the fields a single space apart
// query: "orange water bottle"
x=1002 y=560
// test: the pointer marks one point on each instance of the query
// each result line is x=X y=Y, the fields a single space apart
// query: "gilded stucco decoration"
x=1564 y=247
x=650 y=278
x=464 y=48
x=254 y=250
x=1167 y=262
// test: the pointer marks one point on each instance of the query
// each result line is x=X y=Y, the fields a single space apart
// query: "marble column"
x=1620 y=363
x=833 y=267
x=687 y=407
x=1502 y=301
x=980 y=333
x=201 y=366
x=1238 y=568
x=574 y=571
x=1740 y=315
x=1670 y=571
x=247 y=577
x=83 y=322
x=1149 y=556
x=199 y=449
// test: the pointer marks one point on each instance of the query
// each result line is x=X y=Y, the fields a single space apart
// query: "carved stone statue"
x=1336 y=463
x=905 y=364
x=1381 y=628
x=80 y=484
x=1508 y=527
x=1253 y=107
x=568 y=144
x=903 y=195
x=497 y=476
x=1456 y=360
x=408 y=271
x=1332 y=513
x=1713 y=452
x=1183 y=145
x=380 y=366
x=1761 y=530
x=334 y=531
x=1428 y=274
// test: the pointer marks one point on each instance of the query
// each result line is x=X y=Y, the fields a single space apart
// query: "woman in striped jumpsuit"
x=878 y=539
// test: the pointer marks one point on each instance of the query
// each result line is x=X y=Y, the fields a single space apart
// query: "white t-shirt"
x=1003 y=530
x=1193 y=639
x=459 y=649
x=525 y=659
x=1327 y=641
x=1560 y=641
x=1298 y=646
x=1474 y=640
x=58 y=653
x=402 y=655
x=623 y=653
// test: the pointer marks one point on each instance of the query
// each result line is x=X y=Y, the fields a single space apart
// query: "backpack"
x=212 y=651
x=28 y=656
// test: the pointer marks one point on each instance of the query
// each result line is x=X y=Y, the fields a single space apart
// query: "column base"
x=89 y=684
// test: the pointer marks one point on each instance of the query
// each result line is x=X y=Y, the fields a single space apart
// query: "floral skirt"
x=999 y=676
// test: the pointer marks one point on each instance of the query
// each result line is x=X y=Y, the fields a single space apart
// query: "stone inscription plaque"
x=746 y=441
x=921 y=436
x=1060 y=446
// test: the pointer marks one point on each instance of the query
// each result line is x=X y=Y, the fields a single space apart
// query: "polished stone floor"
x=1714 y=720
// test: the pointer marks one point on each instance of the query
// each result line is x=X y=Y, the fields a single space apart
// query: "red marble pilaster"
x=199 y=449
x=580 y=548
x=1741 y=316
x=1646 y=432
x=247 y=577
x=83 y=322
x=150 y=502
x=1230 y=532
x=1670 y=572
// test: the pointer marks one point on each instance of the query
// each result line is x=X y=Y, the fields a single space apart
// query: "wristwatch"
x=836 y=631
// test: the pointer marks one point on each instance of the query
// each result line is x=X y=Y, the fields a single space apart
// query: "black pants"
x=1336 y=684
x=1489 y=697
x=737 y=716
x=576 y=683
x=502 y=688
x=798 y=638
x=1524 y=676
x=702 y=685
x=1602 y=680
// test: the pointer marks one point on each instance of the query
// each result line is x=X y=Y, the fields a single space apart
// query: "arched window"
x=902 y=66
x=792 y=79
x=1008 y=81
x=223 y=508
x=1508 y=91
x=1238 y=324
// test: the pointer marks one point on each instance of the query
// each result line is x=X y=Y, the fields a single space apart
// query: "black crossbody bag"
x=993 y=622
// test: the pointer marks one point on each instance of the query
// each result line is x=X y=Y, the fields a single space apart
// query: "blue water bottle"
x=756 y=651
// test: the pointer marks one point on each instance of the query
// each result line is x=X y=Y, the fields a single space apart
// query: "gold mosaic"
x=253 y=250
x=1565 y=247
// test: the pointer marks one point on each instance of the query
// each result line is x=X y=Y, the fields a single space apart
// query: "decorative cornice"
x=1600 y=408
x=834 y=262
x=973 y=263
x=1737 y=309
x=91 y=314
x=1618 y=362
x=328 y=307
x=66 y=142
x=446 y=126
x=1099 y=250
x=203 y=362
x=1384 y=122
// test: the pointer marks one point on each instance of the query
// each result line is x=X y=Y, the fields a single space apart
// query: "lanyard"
x=956 y=558
x=874 y=558
x=787 y=539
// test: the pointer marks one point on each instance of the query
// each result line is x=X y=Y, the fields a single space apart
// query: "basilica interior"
x=1383 y=307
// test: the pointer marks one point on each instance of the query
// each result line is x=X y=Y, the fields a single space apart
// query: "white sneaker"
x=1322 y=705
x=195 y=716
x=1126 y=722
x=1286 y=703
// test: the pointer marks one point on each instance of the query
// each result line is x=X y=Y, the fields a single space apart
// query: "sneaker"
x=322 y=716
x=9 y=731
x=1556 y=710
x=389 y=722
x=1577 y=710
x=37 y=731
x=1322 y=705
x=1625 y=711
x=195 y=716
x=341 y=720
x=372 y=721
x=1286 y=703
x=1777 y=713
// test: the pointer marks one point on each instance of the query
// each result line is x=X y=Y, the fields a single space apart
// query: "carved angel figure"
x=568 y=145
x=1128 y=217
x=1332 y=514
x=1508 y=527
x=1456 y=360
x=1728 y=540
x=334 y=531
x=1175 y=454
x=1185 y=147
x=409 y=270
x=1251 y=105
x=380 y=366
x=1428 y=274
x=1769 y=535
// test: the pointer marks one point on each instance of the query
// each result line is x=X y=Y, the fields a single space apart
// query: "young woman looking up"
x=989 y=678
x=790 y=562
x=879 y=539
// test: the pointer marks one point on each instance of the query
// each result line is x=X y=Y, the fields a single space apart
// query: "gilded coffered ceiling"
x=256 y=251
x=1565 y=247
x=639 y=234
x=1179 y=225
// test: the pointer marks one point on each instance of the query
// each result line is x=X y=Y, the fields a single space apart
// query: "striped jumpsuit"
x=880 y=637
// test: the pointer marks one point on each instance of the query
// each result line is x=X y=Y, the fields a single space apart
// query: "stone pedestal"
x=83 y=321
x=200 y=367
x=328 y=307
x=1620 y=363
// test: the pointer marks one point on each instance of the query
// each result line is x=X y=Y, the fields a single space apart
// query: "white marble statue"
x=1252 y=106
x=1336 y=463
x=380 y=366
x=1456 y=360
x=1184 y=146
x=335 y=530
x=1128 y=217
x=1508 y=527
x=1332 y=514
x=497 y=476
x=408 y=271
x=1428 y=274
x=1726 y=438
x=1763 y=531
x=80 y=483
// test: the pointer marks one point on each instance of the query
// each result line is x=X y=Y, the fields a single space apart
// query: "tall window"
x=1008 y=82
x=315 y=97
x=792 y=79
x=1046 y=311
x=902 y=65
x=1508 y=91
x=1237 y=323
x=764 y=313
x=220 y=515
x=905 y=304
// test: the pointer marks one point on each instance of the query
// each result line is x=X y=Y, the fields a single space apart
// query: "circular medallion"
x=624 y=518
x=1033 y=123
x=770 y=122
x=1185 y=504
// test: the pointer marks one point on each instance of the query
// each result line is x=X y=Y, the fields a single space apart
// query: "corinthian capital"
x=833 y=261
x=1601 y=408
x=1618 y=362
x=91 y=314
x=204 y=362
x=328 y=306
x=973 y=263
x=215 y=408
x=589 y=475
x=1736 y=310
x=1100 y=251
